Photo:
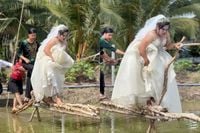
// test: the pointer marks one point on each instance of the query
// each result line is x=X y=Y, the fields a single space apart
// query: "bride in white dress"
x=51 y=63
x=141 y=72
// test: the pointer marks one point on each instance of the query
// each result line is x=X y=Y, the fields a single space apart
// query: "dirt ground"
x=90 y=95
x=189 y=92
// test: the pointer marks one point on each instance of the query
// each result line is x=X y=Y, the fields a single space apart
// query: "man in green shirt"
x=105 y=43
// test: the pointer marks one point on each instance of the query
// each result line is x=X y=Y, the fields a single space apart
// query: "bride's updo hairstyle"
x=163 y=22
x=63 y=30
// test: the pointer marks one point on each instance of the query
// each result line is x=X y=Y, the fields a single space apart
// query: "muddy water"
x=110 y=123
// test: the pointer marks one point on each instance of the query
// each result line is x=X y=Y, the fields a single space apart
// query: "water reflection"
x=17 y=125
x=110 y=123
x=192 y=124
x=17 y=128
x=63 y=124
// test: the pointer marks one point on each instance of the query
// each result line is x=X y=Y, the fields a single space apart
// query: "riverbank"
x=88 y=93
x=91 y=94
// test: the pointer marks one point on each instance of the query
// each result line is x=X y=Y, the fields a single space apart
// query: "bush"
x=81 y=71
x=182 y=65
x=3 y=75
x=195 y=51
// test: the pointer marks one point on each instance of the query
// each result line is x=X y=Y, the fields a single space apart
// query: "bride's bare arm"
x=143 y=45
x=170 y=45
x=47 y=48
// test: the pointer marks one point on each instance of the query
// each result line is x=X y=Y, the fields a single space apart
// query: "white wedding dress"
x=48 y=77
x=135 y=83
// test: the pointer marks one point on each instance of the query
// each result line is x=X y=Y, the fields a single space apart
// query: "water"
x=110 y=123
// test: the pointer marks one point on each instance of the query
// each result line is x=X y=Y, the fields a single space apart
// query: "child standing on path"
x=15 y=85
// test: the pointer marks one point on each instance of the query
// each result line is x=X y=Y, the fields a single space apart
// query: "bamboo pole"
x=191 y=44
x=36 y=109
x=74 y=109
x=17 y=37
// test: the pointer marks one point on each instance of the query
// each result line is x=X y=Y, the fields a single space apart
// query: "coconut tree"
x=185 y=18
x=10 y=20
x=86 y=17
x=130 y=16
x=8 y=26
x=80 y=16
x=134 y=13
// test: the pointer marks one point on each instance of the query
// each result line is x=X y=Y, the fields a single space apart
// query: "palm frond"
x=185 y=26
x=194 y=8
x=108 y=17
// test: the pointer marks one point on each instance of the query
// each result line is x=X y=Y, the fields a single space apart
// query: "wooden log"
x=87 y=107
x=151 y=112
x=75 y=109
x=25 y=106
x=168 y=115
x=73 y=113
x=107 y=105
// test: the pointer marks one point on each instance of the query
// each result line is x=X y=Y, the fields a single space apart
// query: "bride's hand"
x=146 y=62
x=178 y=45
x=52 y=59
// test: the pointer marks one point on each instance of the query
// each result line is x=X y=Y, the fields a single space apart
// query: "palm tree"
x=80 y=16
x=86 y=17
x=185 y=18
x=32 y=17
x=8 y=27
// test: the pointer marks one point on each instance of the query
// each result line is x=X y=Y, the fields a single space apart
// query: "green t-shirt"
x=28 y=50
x=106 y=45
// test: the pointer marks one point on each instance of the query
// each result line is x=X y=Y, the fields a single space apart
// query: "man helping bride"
x=141 y=72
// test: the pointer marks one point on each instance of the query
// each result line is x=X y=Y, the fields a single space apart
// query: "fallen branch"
x=87 y=107
x=107 y=105
x=78 y=109
x=151 y=112
x=74 y=109
x=168 y=115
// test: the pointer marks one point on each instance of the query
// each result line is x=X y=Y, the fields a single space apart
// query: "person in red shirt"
x=15 y=84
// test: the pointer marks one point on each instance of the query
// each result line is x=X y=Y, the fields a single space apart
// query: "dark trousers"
x=1 y=88
x=102 y=83
x=29 y=88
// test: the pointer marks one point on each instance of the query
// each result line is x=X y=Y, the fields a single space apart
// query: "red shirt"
x=17 y=74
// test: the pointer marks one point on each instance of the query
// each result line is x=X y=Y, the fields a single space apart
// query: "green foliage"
x=85 y=18
x=81 y=71
x=184 y=27
x=195 y=51
x=182 y=65
x=3 y=75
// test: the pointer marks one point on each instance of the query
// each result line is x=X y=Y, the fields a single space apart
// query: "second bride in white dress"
x=50 y=65
x=141 y=72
